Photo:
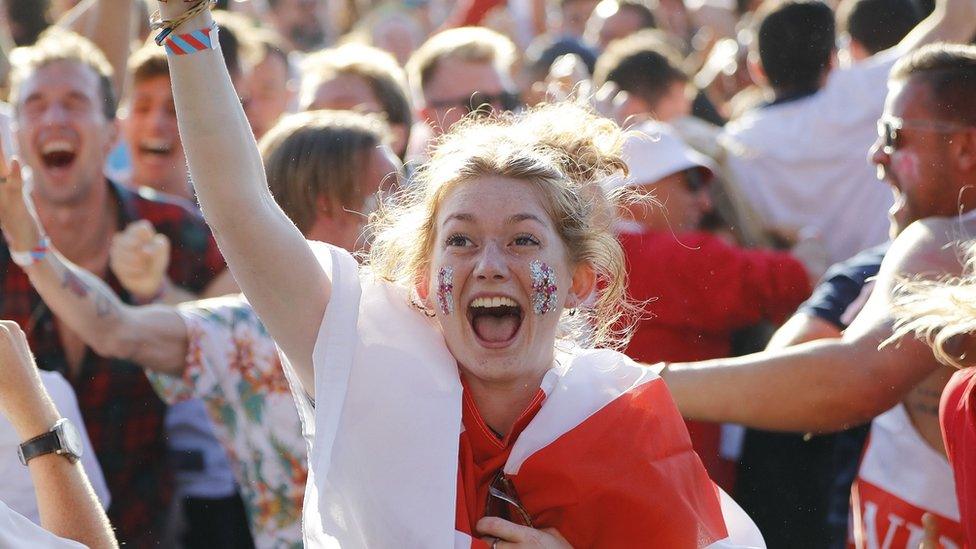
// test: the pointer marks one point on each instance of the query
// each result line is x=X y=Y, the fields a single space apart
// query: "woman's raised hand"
x=502 y=534
x=169 y=9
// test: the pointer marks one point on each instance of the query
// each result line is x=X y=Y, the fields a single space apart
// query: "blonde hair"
x=937 y=311
x=317 y=155
x=470 y=44
x=376 y=67
x=58 y=45
x=564 y=151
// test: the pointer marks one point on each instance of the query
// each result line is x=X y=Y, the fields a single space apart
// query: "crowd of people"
x=488 y=273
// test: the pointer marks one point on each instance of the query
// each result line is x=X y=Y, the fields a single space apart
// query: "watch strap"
x=47 y=443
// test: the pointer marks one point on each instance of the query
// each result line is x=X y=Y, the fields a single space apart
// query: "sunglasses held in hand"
x=503 y=502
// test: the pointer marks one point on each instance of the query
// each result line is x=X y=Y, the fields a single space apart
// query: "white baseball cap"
x=653 y=152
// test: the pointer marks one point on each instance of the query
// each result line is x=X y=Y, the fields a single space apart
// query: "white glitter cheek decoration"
x=544 y=290
x=445 y=290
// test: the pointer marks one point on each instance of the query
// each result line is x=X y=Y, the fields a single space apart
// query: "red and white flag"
x=607 y=445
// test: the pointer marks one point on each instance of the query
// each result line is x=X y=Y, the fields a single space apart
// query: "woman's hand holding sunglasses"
x=499 y=533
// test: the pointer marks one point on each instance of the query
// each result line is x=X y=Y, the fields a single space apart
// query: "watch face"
x=70 y=438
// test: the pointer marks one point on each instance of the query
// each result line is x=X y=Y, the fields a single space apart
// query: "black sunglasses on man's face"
x=889 y=130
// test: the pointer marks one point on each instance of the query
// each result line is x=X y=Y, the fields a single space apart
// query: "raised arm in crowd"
x=65 y=499
x=153 y=337
x=265 y=252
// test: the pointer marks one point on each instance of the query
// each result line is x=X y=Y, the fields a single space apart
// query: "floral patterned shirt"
x=232 y=365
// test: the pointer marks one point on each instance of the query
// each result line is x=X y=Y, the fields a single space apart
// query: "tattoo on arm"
x=77 y=286
x=103 y=305
x=74 y=283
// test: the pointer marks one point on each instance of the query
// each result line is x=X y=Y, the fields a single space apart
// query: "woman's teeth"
x=491 y=302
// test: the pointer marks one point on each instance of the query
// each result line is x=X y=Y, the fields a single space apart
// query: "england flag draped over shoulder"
x=606 y=461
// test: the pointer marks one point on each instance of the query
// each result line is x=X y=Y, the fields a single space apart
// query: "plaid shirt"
x=123 y=415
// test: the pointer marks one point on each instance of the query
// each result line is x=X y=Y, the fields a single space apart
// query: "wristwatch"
x=63 y=439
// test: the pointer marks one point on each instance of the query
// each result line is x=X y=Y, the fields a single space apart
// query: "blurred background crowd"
x=755 y=127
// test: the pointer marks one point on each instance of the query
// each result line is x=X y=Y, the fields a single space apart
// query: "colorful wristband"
x=192 y=42
x=167 y=26
x=26 y=259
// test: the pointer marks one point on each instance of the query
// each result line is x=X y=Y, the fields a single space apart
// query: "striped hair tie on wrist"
x=192 y=42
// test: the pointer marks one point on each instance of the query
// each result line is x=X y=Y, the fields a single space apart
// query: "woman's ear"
x=583 y=286
x=422 y=287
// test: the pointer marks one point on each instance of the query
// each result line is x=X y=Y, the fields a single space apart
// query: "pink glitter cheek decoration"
x=445 y=290
x=907 y=165
x=544 y=288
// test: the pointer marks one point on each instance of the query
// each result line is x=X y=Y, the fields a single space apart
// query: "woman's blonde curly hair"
x=939 y=311
x=565 y=151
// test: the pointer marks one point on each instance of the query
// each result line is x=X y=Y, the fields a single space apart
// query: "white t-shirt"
x=17 y=531
x=804 y=163
x=16 y=488
x=902 y=477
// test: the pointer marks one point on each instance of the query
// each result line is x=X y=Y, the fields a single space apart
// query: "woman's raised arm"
x=268 y=256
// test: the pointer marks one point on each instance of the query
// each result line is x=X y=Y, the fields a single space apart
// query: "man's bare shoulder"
x=925 y=249
x=928 y=248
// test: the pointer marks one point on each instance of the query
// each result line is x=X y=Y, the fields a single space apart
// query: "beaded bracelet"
x=37 y=253
x=156 y=22
x=198 y=40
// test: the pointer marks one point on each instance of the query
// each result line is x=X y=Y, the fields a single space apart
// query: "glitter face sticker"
x=543 y=287
x=906 y=163
x=445 y=290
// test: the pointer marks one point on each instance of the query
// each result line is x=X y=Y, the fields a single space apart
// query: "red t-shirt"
x=698 y=290
x=957 y=414
x=481 y=456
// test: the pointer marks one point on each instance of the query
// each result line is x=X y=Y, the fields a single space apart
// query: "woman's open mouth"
x=495 y=321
